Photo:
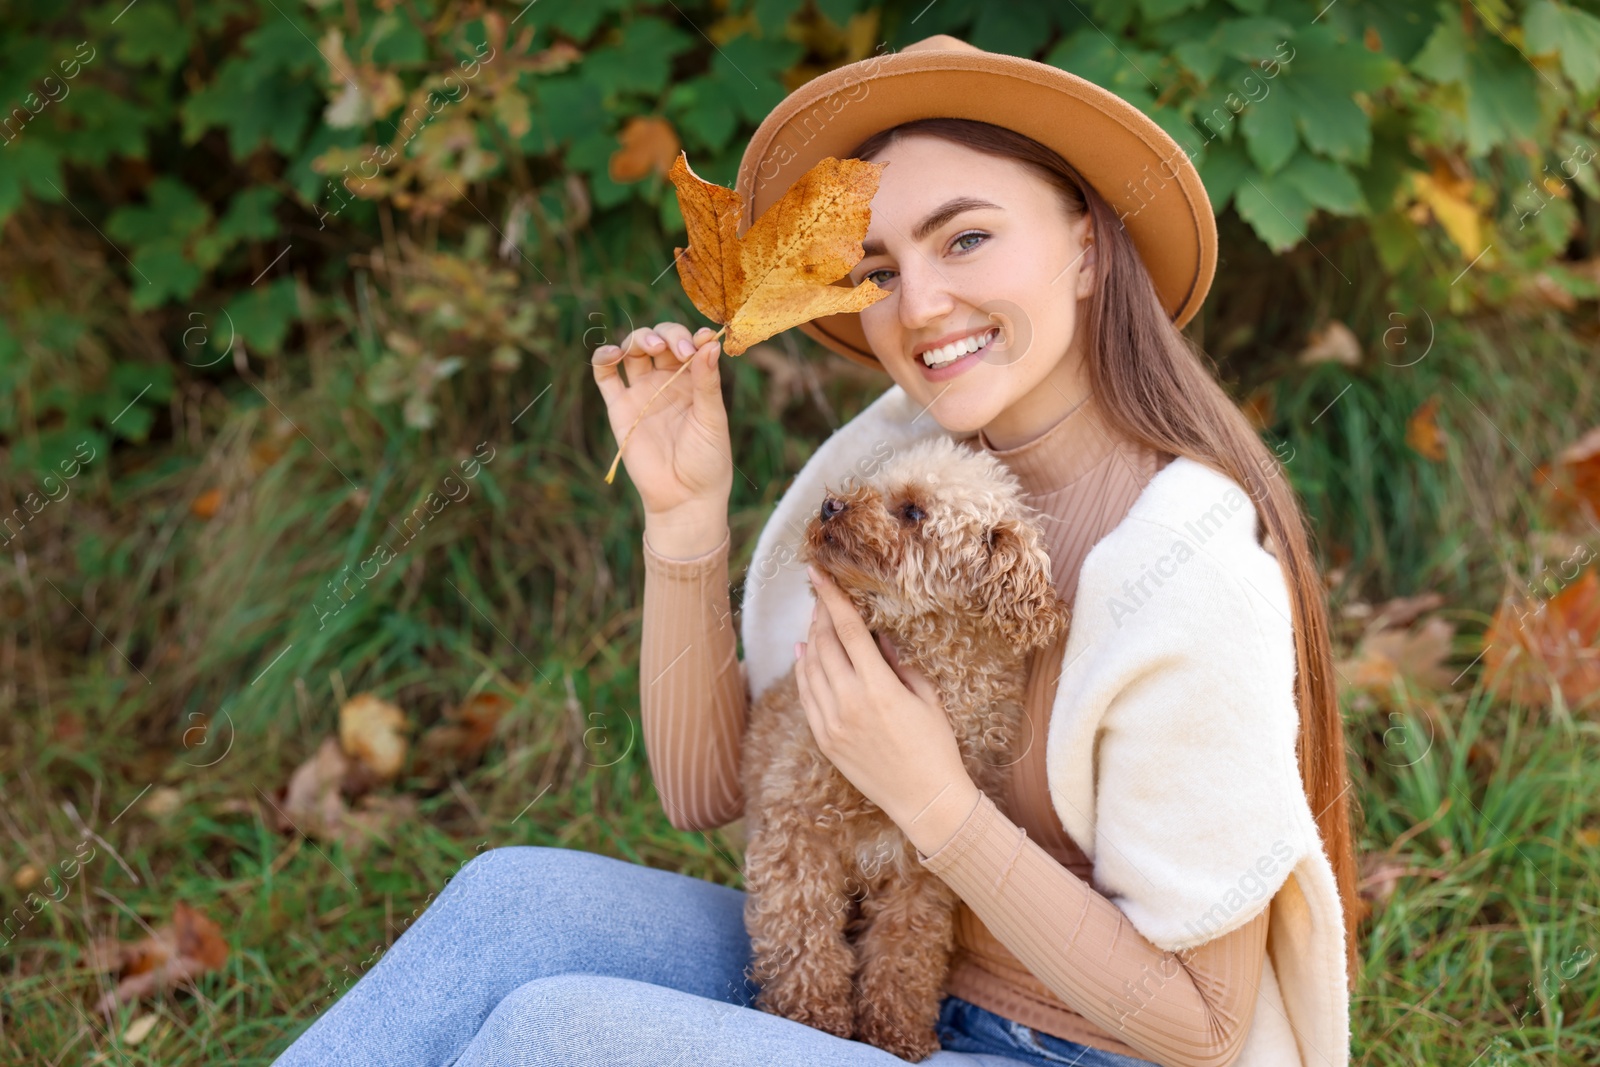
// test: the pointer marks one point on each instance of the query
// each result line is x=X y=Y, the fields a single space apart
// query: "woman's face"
x=966 y=242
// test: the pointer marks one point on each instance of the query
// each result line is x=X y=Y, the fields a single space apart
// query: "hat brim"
x=1135 y=165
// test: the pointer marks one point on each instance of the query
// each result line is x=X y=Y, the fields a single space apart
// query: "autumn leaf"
x=1423 y=433
x=373 y=732
x=1332 y=342
x=780 y=273
x=314 y=801
x=1535 y=646
x=648 y=144
x=1413 y=655
x=140 y=1029
x=205 y=505
x=1574 y=480
x=1450 y=200
x=182 y=950
x=461 y=736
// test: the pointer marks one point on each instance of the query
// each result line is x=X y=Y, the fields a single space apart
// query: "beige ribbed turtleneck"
x=1109 y=988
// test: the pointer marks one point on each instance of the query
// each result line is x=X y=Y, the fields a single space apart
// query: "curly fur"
x=849 y=932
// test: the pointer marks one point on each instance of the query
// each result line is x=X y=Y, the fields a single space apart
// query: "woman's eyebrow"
x=932 y=221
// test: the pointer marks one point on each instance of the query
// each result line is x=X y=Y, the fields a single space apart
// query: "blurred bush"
x=369 y=235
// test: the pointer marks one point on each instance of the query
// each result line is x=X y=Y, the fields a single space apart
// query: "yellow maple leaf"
x=1453 y=210
x=780 y=273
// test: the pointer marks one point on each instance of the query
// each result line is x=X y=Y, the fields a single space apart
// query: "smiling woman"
x=1173 y=754
x=982 y=324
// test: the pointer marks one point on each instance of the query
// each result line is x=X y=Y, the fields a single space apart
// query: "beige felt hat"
x=1135 y=166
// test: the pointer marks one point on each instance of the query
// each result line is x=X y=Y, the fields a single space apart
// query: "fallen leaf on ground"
x=1333 y=342
x=1533 y=646
x=461 y=736
x=1573 y=480
x=373 y=732
x=1413 y=655
x=314 y=802
x=163 y=801
x=205 y=505
x=140 y=1029
x=1423 y=433
x=181 y=951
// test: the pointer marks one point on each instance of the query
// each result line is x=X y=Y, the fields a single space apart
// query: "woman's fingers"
x=606 y=361
x=664 y=346
x=679 y=342
x=637 y=349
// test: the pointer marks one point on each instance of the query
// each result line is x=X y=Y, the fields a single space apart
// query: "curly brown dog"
x=849 y=932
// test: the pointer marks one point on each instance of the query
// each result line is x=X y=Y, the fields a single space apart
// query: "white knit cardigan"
x=1170 y=754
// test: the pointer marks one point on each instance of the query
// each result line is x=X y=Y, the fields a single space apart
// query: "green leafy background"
x=273 y=365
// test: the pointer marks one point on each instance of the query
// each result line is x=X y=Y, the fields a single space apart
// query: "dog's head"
x=939 y=529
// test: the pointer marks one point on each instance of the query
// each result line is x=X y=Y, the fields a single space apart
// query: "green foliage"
x=271 y=271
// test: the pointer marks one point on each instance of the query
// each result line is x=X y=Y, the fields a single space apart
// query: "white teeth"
x=938 y=357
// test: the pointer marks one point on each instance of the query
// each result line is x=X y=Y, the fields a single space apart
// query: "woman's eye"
x=911 y=513
x=977 y=235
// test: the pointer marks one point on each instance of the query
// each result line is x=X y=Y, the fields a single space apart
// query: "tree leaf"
x=176 y=953
x=648 y=144
x=1326 y=184
x=780 y=273
x=1268 y=128
x=1500 y=88
x=1275 y=209
x=1323 y=78
x=1222 y=170
x=1536 y=647
x=1573 y=33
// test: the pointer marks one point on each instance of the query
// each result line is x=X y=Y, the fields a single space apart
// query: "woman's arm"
x=1191 y=1008
x=692 y=695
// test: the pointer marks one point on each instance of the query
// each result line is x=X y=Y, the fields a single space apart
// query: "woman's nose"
x=924 y=296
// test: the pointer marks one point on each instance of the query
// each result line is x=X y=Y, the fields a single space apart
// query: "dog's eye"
x=911 y=513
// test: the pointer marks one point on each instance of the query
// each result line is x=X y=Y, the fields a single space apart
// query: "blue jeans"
x=552 y=956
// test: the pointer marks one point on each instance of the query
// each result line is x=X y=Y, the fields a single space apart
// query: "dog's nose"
x=831 y=507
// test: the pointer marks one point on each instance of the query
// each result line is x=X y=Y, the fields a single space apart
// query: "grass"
x=148 y=649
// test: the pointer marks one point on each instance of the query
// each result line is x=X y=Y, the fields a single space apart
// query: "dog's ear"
x=1018 y=597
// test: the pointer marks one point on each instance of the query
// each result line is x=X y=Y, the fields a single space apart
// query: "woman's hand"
x=680 y=453
x=881 y=723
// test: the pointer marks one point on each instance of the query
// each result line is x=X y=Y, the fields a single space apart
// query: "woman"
x=1170 y=770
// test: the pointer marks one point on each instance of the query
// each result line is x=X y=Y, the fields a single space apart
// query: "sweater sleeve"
x=1189 y=1008
x=693 y=698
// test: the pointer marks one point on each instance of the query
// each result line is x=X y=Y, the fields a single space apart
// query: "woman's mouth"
x=944 y=363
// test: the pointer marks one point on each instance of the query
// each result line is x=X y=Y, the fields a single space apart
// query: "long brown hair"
x=1154 y=384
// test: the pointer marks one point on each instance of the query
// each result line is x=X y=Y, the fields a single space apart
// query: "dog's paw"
x=833 y=1017
x=910 y=1043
